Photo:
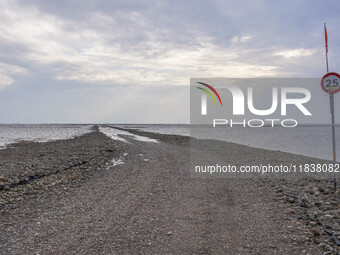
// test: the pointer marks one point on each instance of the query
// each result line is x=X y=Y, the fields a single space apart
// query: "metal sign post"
x=331 y=101
x=330 y=83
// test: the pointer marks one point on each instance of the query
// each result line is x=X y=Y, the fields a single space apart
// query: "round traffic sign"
x=330 y=83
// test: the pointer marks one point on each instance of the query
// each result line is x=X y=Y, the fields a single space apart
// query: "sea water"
x=311 y=140
x=314 y=140
x=39 y=133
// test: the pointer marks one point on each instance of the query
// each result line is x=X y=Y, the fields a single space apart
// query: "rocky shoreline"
x=28 y=167
x=308 y=201
x=314 y=203
x=29 y=171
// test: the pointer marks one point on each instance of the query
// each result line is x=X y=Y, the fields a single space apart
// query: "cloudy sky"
x=130 y=61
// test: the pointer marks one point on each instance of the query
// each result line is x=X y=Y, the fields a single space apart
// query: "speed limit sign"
x=330 y=83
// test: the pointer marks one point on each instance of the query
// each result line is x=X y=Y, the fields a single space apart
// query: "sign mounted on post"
x=330 y=83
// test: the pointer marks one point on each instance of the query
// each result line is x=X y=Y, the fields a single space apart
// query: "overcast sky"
x=130 y=61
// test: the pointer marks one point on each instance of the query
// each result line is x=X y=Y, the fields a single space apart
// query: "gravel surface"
x=28 y=167
x=139 y=198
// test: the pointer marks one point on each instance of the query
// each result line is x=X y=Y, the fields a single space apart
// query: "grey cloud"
x=136 y=44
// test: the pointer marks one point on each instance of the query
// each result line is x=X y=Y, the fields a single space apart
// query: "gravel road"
x=145 y=202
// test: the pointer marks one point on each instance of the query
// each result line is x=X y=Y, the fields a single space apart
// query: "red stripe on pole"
x=326 y=38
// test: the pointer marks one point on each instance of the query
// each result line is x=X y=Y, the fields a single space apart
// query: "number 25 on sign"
x=330 y=83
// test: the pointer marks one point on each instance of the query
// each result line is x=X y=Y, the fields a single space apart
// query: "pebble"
x=328 y=247
x=336 y=226
x=321 y=245
x=291 y=200
x=321 y=189
x=289 y=211
x=328 y=216
x=317 y=240
x=316 y=232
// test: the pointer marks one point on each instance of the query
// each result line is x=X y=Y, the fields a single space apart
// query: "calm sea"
x=312 y=141
x=39 y=133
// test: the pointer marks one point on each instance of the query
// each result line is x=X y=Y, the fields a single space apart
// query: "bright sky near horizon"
x=87 y=61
